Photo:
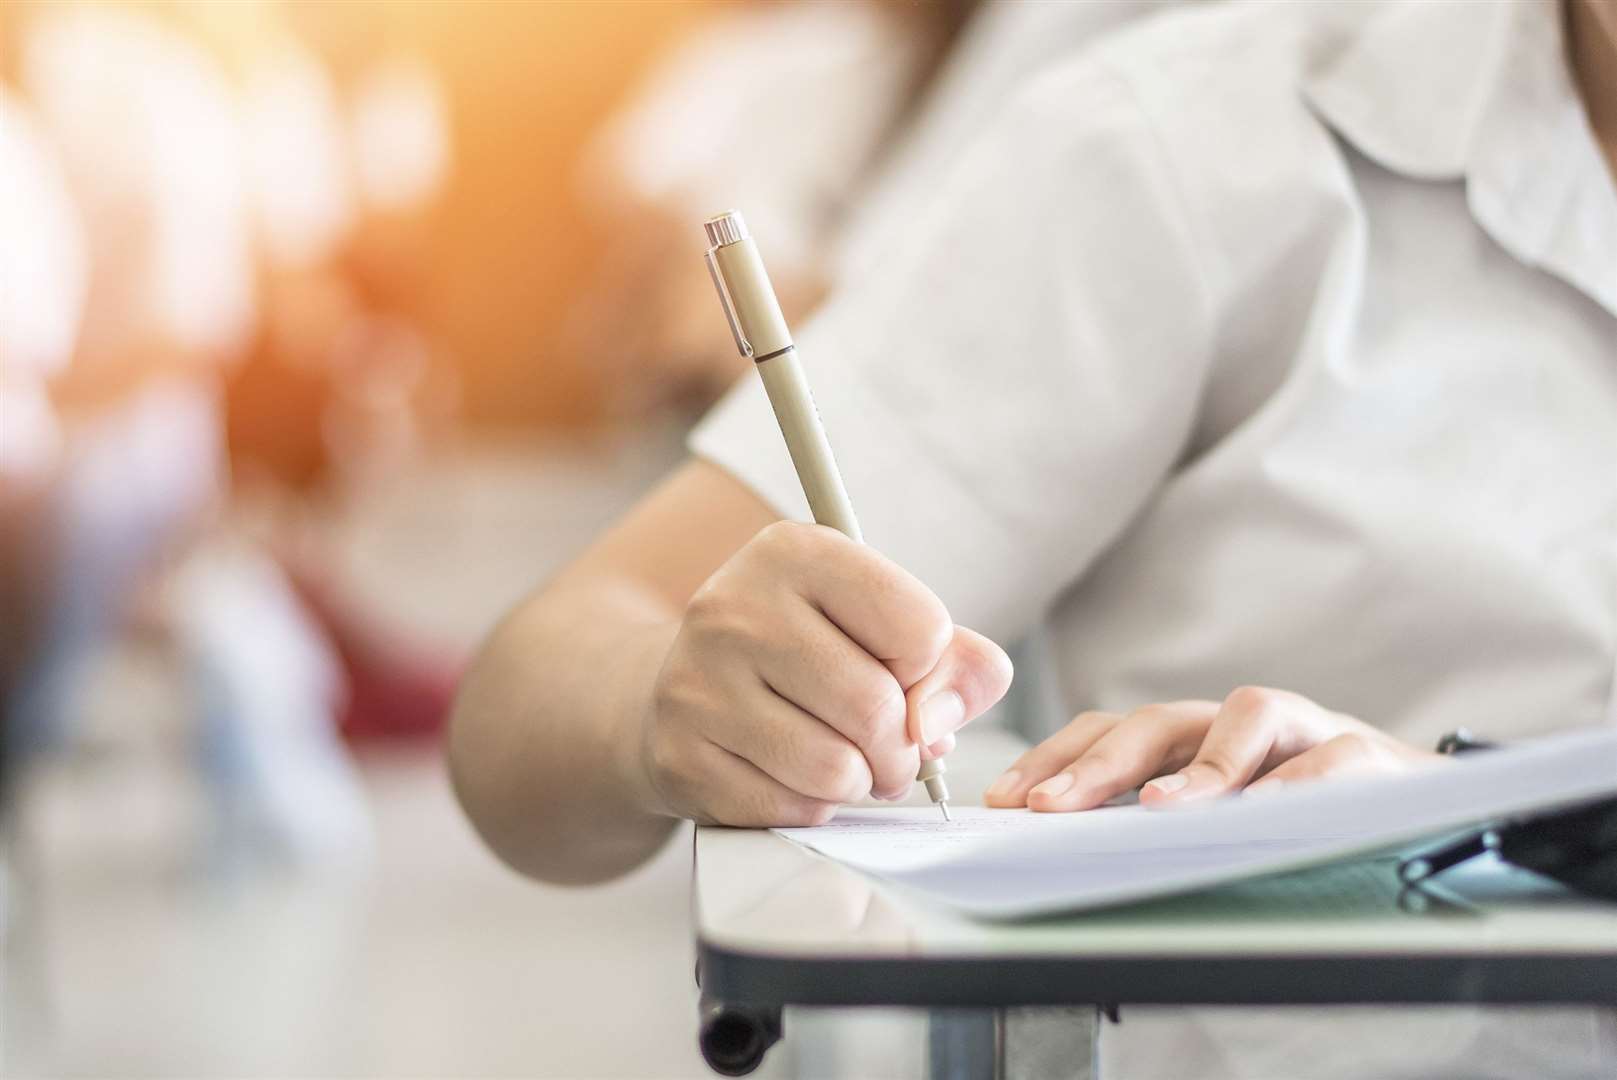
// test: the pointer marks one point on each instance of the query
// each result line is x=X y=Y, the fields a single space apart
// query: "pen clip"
x=729 y=306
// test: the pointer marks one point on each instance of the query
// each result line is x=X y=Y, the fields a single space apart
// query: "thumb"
x=972 y=674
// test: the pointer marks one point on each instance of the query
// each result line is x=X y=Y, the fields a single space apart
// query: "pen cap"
x=725 y=228
x=756 y=311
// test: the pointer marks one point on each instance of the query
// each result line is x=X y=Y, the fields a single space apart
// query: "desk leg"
x=964 y=1044
x=1051 y=1042
x=1014 y=1044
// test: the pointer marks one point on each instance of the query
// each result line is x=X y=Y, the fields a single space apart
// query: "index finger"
x=1145 y=743
x=884 y=608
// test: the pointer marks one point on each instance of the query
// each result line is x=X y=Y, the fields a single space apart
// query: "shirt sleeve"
x=1009 y=387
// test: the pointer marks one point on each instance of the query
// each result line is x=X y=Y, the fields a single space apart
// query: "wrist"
x=633 y=717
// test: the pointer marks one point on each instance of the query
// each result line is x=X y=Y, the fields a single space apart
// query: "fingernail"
x=941 y=714
x=1170 y=783
x=1005 y=785
x=1054 y=786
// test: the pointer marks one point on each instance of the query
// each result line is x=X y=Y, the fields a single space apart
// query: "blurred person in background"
x=1265 y=351
x=822 y=119
x=43 y=279
x=346 y=145
x=141 y=122
x=150 y=132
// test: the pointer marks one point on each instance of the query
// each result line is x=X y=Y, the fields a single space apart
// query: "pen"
x=760 y=332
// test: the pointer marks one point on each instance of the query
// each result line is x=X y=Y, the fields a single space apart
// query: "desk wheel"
x=734 y=1038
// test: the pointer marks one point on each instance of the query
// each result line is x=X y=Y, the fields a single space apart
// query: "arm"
x=541 y=741
x=702 y=660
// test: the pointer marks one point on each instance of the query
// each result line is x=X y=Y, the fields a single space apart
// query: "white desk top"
x=760 y=895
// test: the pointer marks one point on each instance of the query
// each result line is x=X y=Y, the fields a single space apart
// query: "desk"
x=778 y=925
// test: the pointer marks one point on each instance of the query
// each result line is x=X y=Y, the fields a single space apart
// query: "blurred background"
x=328 y=330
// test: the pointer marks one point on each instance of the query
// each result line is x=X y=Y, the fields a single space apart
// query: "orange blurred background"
x=510 y=248
x=328 y=330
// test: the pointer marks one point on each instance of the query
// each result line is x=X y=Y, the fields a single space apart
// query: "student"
x=1265 y=346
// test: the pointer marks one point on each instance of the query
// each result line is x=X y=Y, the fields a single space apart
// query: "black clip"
x=1576 y=847
x=1417 y=868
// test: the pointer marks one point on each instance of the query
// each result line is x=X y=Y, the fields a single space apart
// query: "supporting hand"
x=1184 y=751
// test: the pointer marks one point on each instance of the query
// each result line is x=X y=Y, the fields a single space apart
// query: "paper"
x=1013 y=863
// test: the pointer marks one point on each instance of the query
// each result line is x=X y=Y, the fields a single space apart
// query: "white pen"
x=761 y=334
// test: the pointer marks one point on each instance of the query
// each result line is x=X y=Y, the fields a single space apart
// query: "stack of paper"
x=1014 y=863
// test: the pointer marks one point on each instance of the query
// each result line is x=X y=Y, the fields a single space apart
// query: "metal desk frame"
x=777 y=925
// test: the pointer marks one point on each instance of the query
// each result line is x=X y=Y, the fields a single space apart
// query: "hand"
x=808 y=671
x=1197 y=750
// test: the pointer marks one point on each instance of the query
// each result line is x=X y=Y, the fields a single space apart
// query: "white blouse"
x=1263 y=343
x=1269 y=344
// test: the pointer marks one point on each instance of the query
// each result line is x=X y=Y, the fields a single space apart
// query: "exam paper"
x=1015 y=863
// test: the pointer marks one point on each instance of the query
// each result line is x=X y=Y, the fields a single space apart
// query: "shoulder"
x=1234 y=65
x=1219 y=91
x=1254 y=50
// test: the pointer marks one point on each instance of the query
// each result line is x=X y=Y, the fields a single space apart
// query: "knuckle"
x=804 y=810
x=877 y=708
x=1148 y=717
x=820 y=812
x=669 y=765
x=663 y=754
x=892 y=772
x=1352 y=743
x=773 y=743
x=800 y=811
x=778 y=810
x=985 y=668
x=708 y=603
x=846 y=776
x=789 y=540
x=1219 y=762
x=926 y=622
x=1251 y=700
x=759 y=809
x=936 y=629
x=1099 y=761
x=681 y=689
x=717 y=615
x=756 y=805
x=1002 y=668
x=777 y=534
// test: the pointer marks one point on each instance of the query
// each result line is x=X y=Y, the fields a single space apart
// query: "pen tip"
x=945 y=808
